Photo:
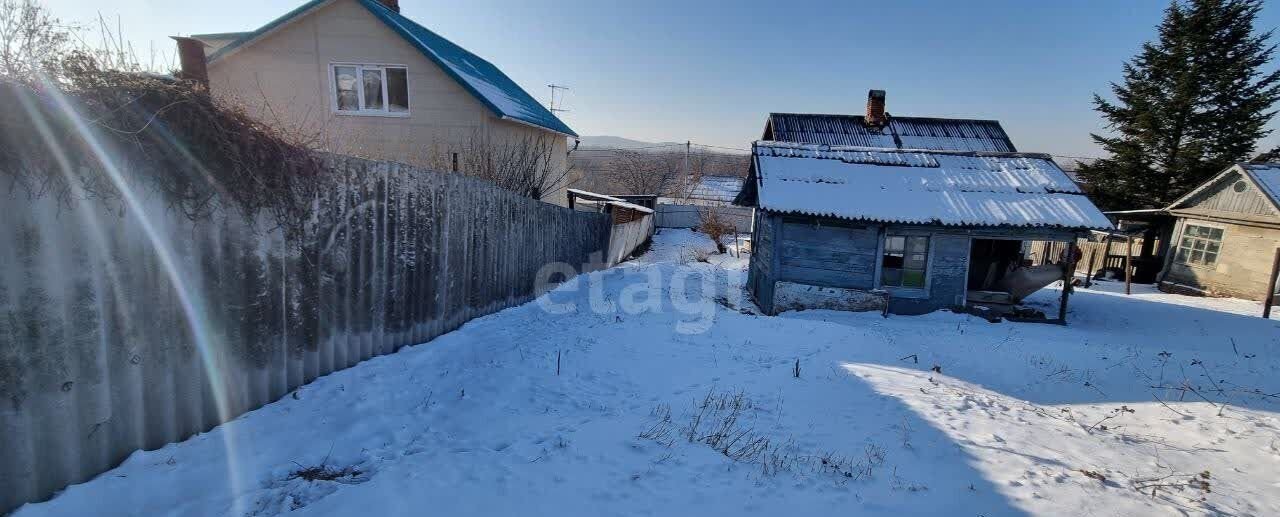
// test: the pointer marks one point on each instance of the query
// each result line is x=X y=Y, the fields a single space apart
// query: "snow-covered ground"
x=1149 y=404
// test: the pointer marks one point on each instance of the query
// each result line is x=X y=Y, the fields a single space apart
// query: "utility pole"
x=555 y=87
x=687 y=144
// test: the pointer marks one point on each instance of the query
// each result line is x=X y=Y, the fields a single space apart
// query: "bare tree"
x=526 y=165
x=640 y=172
x=31 y=39
x=703 y=162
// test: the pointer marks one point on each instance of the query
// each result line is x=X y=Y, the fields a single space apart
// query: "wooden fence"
x=127 y=326
x=1042 y=252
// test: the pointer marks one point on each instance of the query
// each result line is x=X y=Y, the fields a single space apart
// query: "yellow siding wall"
x=283 y=79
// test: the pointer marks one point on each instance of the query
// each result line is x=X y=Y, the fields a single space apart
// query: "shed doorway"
x=990 y=260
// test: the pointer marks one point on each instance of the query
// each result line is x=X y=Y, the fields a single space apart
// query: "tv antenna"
x=553 y=107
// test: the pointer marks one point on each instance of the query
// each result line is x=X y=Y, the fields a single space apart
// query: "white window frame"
x=1182 y=234
x=386 y=100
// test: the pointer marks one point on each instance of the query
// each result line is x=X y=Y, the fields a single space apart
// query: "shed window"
x=1199 y=245
x=370 y=89
x=904 y=261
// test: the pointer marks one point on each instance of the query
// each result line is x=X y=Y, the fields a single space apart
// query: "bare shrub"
x=723 y=421
x=904 y=432
x=717 y=422
x=327 y=473
x=897 y=483
x=1176 y=488
x=526 y=166
x=173 y=132
x=31 y=39
x=713 y=223
x=662 y=430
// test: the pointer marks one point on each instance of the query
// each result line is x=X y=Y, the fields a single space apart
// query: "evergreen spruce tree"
x=1192 y=103
x=1271 y=156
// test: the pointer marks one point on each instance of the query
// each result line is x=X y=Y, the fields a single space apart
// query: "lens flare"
x=191 y=302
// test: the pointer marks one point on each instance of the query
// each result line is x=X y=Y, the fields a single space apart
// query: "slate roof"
x=1267 y=176
x=481 y=78
x=899 y=133
x=954 y=188
x=716 y=188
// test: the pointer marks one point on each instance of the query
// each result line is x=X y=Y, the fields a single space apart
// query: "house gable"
x=285 y=75
x=484 y=81
x=1234 y=194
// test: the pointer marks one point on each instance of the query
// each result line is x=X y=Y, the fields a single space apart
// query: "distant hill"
x=617 y=142
x=605 y=164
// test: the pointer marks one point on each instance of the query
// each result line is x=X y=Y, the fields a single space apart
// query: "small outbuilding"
x=903 y=230
x=1226 y=233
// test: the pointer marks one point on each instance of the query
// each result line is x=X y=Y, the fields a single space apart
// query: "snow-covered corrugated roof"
x=484 y=80
x=716 y=188
x=617 y=201
x=921 y=186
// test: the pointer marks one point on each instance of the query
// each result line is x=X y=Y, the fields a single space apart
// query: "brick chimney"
x=191 y=55
x=394 y=5
x=875 y=109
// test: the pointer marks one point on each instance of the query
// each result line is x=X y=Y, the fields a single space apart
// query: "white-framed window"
x=1199 y=245
x=361 y=89
x=905 y=261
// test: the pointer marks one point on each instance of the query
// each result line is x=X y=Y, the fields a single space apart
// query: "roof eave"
x=376 y=9
x=509 y=118
x=934 y=222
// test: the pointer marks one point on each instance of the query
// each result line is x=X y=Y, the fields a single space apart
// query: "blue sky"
x=711 y=71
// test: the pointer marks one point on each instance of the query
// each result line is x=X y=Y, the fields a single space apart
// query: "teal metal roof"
x=486 y=82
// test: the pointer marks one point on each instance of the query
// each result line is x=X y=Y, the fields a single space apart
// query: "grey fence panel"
x=689 y=216
x=125 y=329
x=626 y=237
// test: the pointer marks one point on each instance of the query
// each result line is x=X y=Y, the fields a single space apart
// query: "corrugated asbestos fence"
x=689 y=216
x=624 y=238
x=125 y=329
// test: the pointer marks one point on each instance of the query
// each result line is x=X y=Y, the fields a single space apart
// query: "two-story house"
x=357 y=77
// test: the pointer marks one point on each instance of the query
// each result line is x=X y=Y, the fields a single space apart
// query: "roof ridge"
x=891 y=117
x=853 y=148
x=380 y=5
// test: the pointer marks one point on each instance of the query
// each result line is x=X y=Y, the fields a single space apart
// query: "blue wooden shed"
x=908 y=231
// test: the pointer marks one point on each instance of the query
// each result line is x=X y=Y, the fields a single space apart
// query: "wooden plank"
x=832 y=237
x=825 y=277
x=826 y=258
x=1066 y=284
x=1128 y=265
x=1271 y=286
x=1088 y=279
